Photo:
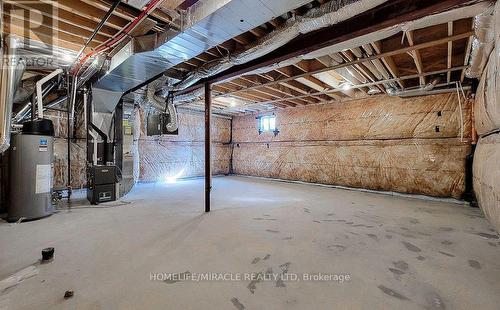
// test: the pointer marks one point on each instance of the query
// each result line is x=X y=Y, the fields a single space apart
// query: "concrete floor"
x=398 y=252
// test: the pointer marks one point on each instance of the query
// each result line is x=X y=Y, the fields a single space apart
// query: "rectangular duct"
x=209 y=23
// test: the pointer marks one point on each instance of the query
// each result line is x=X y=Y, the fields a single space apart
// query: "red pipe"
x=113 y=41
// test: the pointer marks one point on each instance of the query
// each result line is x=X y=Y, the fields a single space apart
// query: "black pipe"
x=33 y=106
x=469 y=195
x=105 y=138
x=208 y=144
x=96 y=31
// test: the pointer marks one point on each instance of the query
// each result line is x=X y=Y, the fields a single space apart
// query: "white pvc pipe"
x=39 y=85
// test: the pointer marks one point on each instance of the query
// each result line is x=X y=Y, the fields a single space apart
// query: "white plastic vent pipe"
x=39 y=94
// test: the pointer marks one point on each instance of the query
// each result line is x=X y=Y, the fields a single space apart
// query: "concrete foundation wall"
x=384 y=143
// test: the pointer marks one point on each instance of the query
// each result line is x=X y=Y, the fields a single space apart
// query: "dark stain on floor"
x=487 y=236
x=372 y=236
x=237 y=303
x=279 y=282
x=284 y=267
x=337 y=247
x=397 y=273
x=447 y=254
x=434 y=301
x=474 y=264
x=392 y=293
x=362 y=225
x=445 y=228
x=255 y=260
x=420 y=258
x=411 y=247
x=446 y=242
x=272 y=231
x=267 y=257
x=252 y=286
x=401 y=265
x=178 y=277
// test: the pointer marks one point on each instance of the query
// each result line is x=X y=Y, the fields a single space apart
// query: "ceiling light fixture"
x=346 y=86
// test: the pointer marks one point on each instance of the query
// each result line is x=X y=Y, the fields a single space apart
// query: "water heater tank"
x=31 y=164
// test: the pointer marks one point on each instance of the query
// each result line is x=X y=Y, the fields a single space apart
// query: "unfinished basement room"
x=250 y=154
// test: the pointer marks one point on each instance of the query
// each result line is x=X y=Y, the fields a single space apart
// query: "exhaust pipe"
x=10 y=71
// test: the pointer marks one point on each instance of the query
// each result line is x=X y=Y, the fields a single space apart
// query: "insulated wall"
x=77 y=148
x=384 y=143
x=486 y=168
x=182 y=155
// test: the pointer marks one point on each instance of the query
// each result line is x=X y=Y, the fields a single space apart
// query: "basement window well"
x=267 y=123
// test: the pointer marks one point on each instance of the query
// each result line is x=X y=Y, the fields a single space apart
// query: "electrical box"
x=157 y=125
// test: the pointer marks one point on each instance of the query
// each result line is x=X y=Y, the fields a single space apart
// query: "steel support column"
x=208 y=145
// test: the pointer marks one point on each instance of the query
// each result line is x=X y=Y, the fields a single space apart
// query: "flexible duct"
x=156 y=102
x=26 y=110
x=161 y=104
x=483 y=43
x=9 y=67
x=172 y=111
x=413 y=92
x=24 y=92
x=325 y=15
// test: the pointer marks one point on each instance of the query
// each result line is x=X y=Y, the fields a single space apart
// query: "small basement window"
x=267 y=123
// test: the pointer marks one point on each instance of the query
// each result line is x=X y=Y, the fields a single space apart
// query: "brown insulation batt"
x=430 y=167
x=487 y=107
x=78 y=152
x=487 y=177
x=384 y=143
x=78 y=162
x=486 y=166
x=183 y=155
x=379 y=117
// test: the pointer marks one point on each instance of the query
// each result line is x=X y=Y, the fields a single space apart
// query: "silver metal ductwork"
x=11 y=70
x=45 y=57
x=424 y=90
x=203 y=31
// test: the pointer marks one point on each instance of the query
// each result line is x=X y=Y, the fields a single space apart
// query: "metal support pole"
x=68 y=138
x=208 y=145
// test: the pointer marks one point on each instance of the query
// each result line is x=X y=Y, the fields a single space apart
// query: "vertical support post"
x=68 y=138
x=119 y=143
x=208 y=145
